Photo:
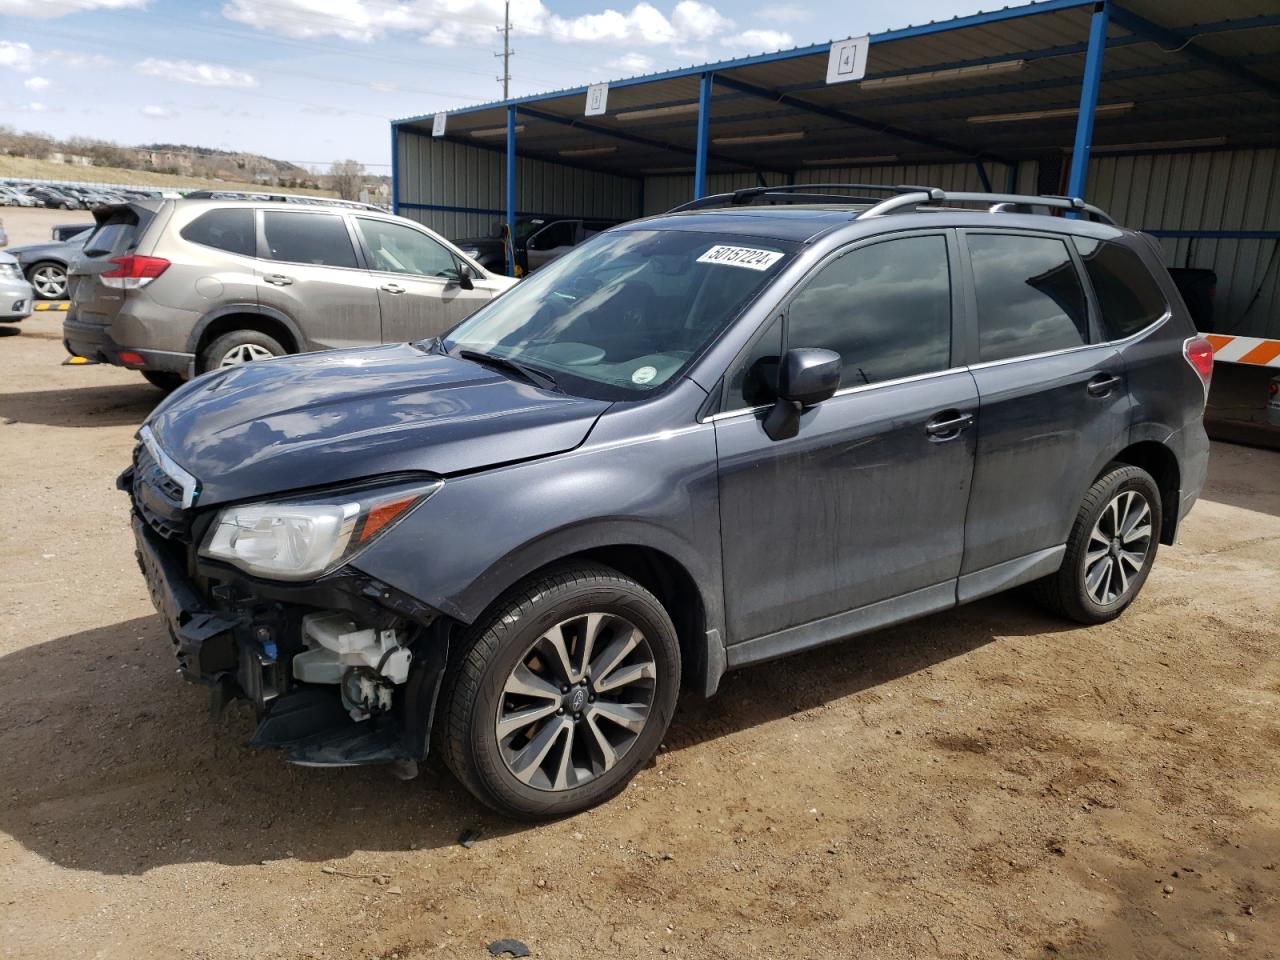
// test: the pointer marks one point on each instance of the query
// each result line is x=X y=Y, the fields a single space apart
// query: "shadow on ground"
x=114 y=766
x=111 y=406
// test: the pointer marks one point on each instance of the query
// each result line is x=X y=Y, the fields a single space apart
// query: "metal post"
x=704 y=132
x=511 y=191
x=1088 y=101
x=395 y=171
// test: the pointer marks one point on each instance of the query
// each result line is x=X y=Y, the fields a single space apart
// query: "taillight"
x=133 y=271
x=1199 y=353
x=1273 y=388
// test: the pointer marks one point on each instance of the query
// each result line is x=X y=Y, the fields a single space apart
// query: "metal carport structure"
x=1166 y=112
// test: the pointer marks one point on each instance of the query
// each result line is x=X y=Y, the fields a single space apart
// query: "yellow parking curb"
x=62 y=305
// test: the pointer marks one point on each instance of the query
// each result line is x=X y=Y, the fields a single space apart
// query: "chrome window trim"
x=190 y=485
x=984 y=364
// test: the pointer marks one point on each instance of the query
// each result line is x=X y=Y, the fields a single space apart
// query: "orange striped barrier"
x=1251 y=350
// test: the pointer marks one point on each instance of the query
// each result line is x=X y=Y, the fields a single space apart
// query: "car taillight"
x=1199 y=353
x=133 y=271
x=1273 y=388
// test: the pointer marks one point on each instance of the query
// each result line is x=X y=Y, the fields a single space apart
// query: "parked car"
x=13 y=198
x=55 y=199
x=65 y=231
x=45 y=264
x=15 y=292
x=538 y=241
x=173 y=288
x=4 y=237
x=697 y=442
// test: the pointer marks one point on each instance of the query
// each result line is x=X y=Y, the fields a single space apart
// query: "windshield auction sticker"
x=741 y=257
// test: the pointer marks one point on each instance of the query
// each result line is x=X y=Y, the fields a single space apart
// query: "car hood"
x=34 y=251
x=326 y=418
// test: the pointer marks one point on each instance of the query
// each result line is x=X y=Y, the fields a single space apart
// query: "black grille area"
x=158 y=497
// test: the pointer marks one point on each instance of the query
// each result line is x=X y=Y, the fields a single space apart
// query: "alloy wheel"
x=576 y=701
x=244 y=353
x=50 y=281
x=1118 y=547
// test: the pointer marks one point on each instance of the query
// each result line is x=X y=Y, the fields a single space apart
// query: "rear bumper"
x=93 y=342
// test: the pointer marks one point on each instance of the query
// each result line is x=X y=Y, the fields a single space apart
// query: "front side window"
x=395 y=248
x=316 y=238
x=1029 y=296
x=559 y=234
x=885 y=308
x=625 y=312
x=230 y=230
x=1128 y=296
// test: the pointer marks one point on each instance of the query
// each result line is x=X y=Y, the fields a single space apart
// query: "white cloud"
x=448 y=23
x=383 y=86
x=199 y=74
x=159 y=113
x=75 y=60
x=782 y=14
x=36 y=84
x=633 y=63
x=47 y=9
x=18 y=56
x=759 y=40
x=35 y=107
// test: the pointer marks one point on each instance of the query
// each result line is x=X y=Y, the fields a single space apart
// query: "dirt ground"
x=985 y=782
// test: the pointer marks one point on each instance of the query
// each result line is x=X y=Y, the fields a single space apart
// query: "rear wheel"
x=1110 y=550
x=561 y=694
x=238 y=347
x=49 y=280
x=168 y=382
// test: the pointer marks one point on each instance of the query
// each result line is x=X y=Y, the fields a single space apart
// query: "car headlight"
x=298 y=539
x=10 y=271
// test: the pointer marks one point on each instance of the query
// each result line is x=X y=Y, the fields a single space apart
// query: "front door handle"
x=278 y=279
x=1102 y=385
x=948 y=425
x=392 y=288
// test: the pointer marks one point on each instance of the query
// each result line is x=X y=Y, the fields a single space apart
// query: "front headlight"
x=10 y=271
x=299 y=539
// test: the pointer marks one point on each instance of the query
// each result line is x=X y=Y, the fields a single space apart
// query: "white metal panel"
x=1218 y=190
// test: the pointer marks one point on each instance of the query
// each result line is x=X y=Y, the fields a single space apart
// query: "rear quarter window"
x=230 y=230
x=1128 y=296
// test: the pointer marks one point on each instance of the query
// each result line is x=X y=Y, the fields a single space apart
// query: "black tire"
x=465 y=728
x=43 y=272
x=168 y=382
x=1067 y=592
x=212 y=357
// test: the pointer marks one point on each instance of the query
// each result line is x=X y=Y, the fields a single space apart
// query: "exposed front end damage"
x=341 y=670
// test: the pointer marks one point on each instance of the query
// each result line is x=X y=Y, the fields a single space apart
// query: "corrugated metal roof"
x=1193 y=72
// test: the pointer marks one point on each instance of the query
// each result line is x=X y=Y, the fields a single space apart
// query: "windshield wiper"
x=532 y=374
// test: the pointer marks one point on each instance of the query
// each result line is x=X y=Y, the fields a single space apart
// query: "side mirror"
x=466 y=276
x=806 y=377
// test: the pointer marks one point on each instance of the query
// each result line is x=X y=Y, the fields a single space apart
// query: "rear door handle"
x=392 y=288
x=278 y=279
x=1102 y=385
x=948 y=424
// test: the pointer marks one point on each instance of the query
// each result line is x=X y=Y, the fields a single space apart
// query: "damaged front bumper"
x=241 y=636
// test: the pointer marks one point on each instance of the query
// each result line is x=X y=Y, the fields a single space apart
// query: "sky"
x=313 y=81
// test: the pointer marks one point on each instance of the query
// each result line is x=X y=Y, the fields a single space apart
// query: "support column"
x=1088 y=101
x=395 y=171
x=704 y=135
x=511 y=191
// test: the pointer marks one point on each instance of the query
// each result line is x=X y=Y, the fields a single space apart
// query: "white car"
x=15 y=293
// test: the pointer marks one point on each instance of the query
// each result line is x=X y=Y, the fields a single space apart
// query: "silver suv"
x=174 y=288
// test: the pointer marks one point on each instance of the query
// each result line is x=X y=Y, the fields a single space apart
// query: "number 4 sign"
x=848 y=60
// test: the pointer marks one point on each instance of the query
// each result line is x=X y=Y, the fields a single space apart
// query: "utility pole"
x=505 y=30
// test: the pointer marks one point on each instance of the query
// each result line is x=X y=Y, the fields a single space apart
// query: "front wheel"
x=49 y=280
x=1110 y=550
x=561 y=694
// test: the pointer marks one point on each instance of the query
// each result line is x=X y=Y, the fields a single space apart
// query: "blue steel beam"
x=395 y=168
x=511 y=192
x=704 y=135
x=1180 y=42
x=1092 y=82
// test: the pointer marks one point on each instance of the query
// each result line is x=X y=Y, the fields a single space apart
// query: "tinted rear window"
x=230 y=230
x=115 y=234
x=318 y=238
x=1127 y=294
x=1029 y=296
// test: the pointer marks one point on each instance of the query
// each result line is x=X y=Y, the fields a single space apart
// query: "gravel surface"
x=981 y=783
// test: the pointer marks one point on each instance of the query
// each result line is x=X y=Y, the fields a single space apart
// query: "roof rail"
x=790 y=193
x=997 y=203
x=267 y=195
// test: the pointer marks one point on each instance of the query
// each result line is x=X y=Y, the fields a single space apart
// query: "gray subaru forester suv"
x=699 y=441
x=174 y=288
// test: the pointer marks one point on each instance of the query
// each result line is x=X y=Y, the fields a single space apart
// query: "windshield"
x=622 y=314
